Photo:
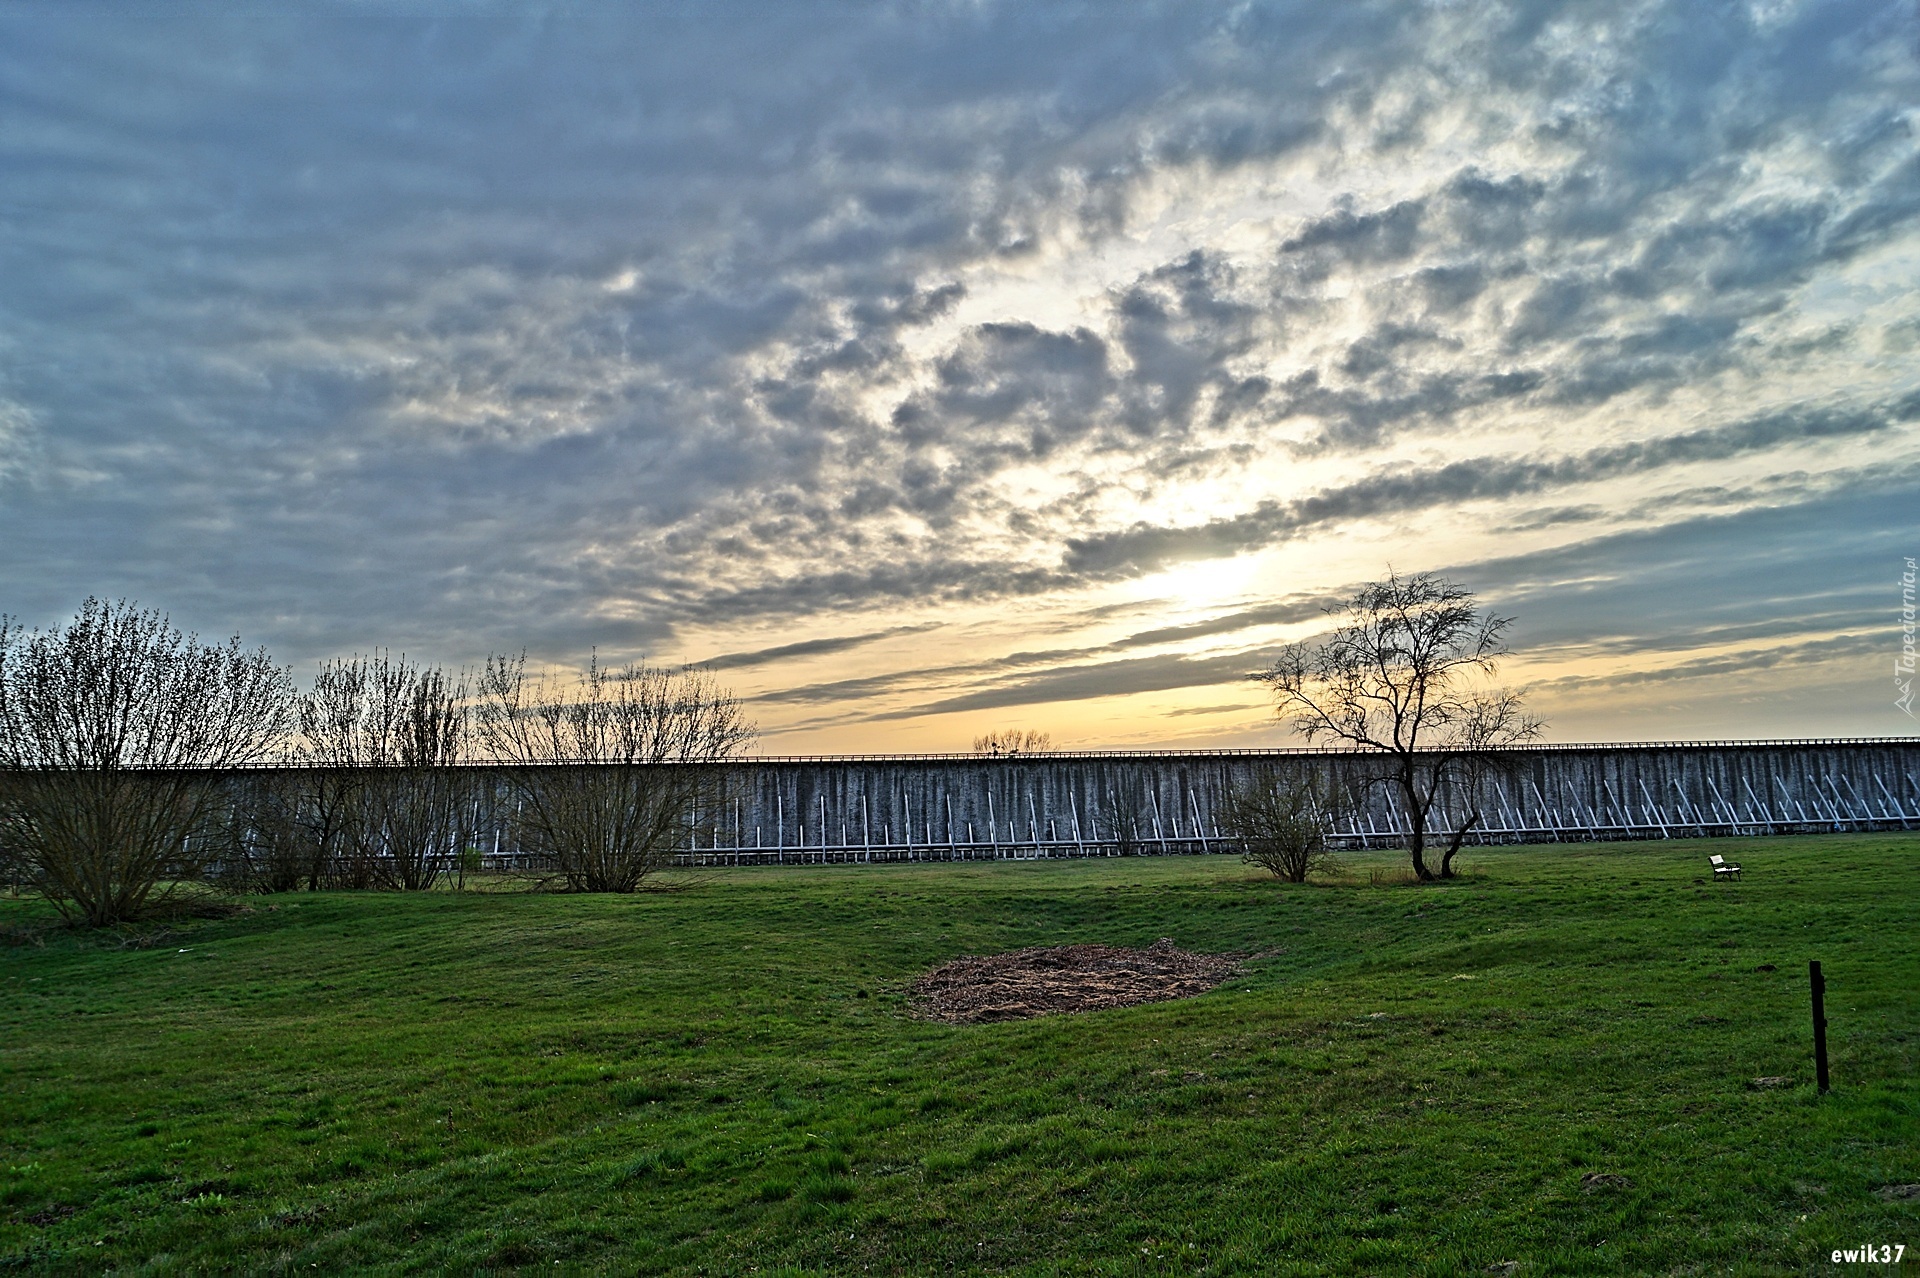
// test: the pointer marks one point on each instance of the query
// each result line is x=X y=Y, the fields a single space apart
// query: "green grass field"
x=1410 y=1079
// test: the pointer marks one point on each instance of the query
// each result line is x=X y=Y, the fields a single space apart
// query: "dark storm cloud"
x=469 y=329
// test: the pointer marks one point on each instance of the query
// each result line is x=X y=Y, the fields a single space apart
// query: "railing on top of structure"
x=1338 y=751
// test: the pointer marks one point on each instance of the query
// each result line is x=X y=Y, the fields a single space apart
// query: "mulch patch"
x=1595 y=1182
x=1064 y=978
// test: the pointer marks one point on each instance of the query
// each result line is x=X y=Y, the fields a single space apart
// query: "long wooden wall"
x=947 y=806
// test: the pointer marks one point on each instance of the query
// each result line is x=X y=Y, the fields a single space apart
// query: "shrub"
x=112 y=730
x=1281 y=825
x=609 y=772
x=384 y=802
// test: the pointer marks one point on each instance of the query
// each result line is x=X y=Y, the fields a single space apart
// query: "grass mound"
x=1064 y=978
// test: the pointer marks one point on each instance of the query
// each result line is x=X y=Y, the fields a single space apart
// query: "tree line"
x=129 y=755
x=135 y=759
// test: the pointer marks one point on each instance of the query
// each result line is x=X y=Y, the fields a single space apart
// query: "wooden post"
x=1819 y=1022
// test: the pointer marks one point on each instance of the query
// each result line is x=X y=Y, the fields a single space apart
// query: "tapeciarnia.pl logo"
x=1903 y=664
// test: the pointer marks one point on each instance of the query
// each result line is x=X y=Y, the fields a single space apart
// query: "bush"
x=262 y=845
x=113 y=729
x=1281 y=825
x=608 y=773
x=384 y=801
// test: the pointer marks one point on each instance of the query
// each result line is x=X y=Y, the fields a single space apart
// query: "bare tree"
x=1124 y=813
x=611 y=771
x=423 y=802
x=1008 y=743
x=113 y=729
x=339 y=741
x=1394 y=677
x=1282 y=824
x=385 y=802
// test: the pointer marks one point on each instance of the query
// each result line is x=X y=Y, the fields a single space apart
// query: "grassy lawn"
x=724 y=1080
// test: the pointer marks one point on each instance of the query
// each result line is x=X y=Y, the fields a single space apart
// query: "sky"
x=933 y=368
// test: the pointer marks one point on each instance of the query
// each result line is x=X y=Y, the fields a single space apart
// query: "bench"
x=1723 y=868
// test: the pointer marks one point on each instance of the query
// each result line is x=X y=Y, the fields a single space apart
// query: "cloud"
x=1057 y=660
x=469 y=330
x=1097 y=679
x=1745 y=664
x=1757 y=592
x=806 y=648
x=1144 y=548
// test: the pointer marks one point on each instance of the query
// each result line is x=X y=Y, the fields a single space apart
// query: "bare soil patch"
x=1064 y=978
